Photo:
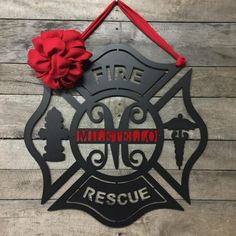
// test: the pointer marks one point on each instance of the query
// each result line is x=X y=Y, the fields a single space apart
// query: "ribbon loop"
x=141 y=23
x=181 y=61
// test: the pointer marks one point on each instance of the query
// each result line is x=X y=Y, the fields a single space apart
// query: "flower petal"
x=52 y=34
x=53 y=46
x=58 y=58
x=40 y=74
x=37 y=61
x=85 y=56
x=67 y=83
x=71 y=35
x=76 y=71
x=78 y=54
x=51 y=83
x=75 y=44
x=38 y=44
x=59 y=66
x=72 y=38
x=74 y=53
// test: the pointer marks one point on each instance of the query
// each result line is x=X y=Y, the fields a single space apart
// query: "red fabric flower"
x=58 y=58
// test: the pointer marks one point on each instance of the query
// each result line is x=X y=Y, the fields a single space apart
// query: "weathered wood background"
x=203 y=31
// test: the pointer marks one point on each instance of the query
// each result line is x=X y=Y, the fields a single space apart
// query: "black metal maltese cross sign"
x=128 y=133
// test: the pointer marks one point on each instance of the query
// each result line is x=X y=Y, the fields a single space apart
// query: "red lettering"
x=89 y=135
x=144 y=136
x=101 y=135
x=156 y=136
x=151 y=136
x=81 y=136
x=110 y=136
x=127 y=136
x=94 y=136
x=120 y=136
x=136 y=136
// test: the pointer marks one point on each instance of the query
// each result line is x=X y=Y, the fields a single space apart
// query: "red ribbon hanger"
x=141 y=23
x=58 y=55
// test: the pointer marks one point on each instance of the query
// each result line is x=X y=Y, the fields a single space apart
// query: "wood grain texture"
x=204 y=185
x=206 y=81
x=158 y=10
x=204 y=32
x=202 y=44
x=217 y=113
x=201 y=218
x=219 y=155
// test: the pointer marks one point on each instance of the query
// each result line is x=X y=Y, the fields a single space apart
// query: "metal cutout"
x=118 y=198
x=178 y=125
x=54 y=133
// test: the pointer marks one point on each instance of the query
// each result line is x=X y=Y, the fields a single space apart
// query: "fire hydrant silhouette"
x=54 y=133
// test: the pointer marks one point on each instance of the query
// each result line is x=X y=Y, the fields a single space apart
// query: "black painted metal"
x=54 y=133
x=118 y=200
x=178 y=125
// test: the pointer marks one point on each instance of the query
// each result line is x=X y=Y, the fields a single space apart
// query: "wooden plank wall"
x=203 y=31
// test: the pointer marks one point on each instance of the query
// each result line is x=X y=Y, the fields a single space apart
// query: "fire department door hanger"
x=119 y=157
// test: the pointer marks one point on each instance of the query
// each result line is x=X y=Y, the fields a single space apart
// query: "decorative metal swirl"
x=91 y=113
x=98 y=159
x=135 y=160
x=131 y=113
x=135 y=110
x=97 y=162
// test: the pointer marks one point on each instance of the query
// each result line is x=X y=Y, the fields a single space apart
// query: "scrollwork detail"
x=135 y=110
x=91 y=113
x=97 y=162
x=136 y=162
x=106 y=116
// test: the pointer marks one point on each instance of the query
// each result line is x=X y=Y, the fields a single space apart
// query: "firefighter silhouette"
x=54 y=133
